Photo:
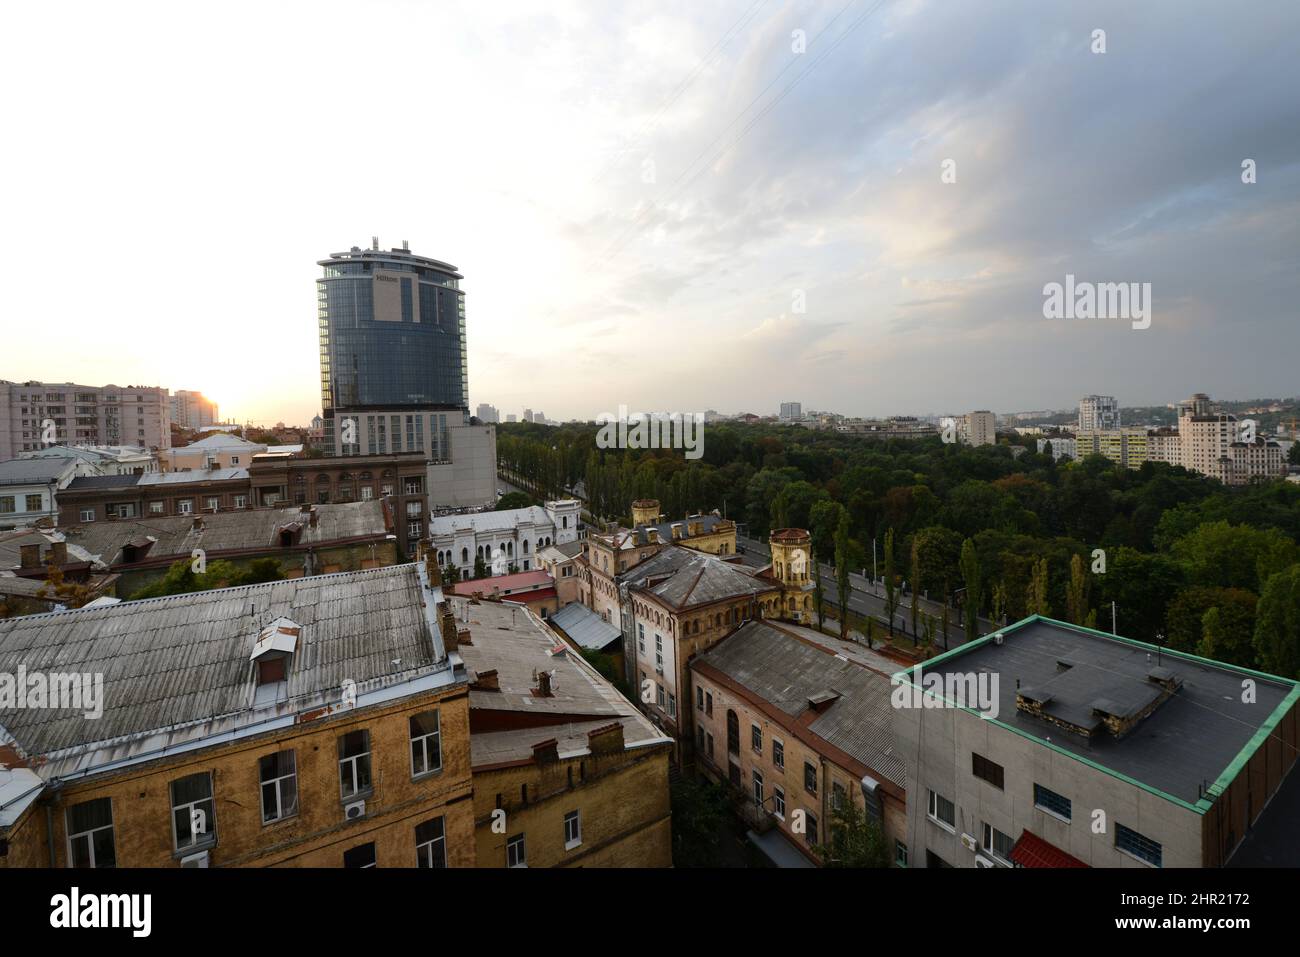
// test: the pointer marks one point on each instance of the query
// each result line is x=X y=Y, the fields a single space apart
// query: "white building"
x=29 y=488
x=1062 y=447
x=791 y=411
x=106 y=459
x=1098 y=412
x=505 y=538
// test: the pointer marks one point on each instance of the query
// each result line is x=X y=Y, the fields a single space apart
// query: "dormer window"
x=272 y=649
x=271 y=670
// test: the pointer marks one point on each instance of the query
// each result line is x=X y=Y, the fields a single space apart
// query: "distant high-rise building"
x=539 y=417
x=978 y=428
x=394 y=370
x=510 y=417
x=190 y=410
x=487 y=414
x=528 y=415
x=34 y=415
x=791 y=411
x=1098 y=412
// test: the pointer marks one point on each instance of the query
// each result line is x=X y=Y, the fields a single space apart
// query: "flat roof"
x=1188 y=749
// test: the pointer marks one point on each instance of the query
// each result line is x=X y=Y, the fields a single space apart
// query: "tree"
x=181 y=578
x=701 y=814
x=916 y=588
x=855 y=839
x=451 y=574
x=1277 y=624
x=1228 y=630
x=945 y=618
x=819 y=593
x=513 y=500
x=1076 y=595
x=480 y=567
x=846 y=558
x=1293 y=454
x=1036 y=601
x=69 y=594
x=891 y=586
x=970 y=573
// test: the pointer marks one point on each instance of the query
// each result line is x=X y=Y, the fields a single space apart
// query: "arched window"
x=464 y=555
x=525 y=546
x=510 y=549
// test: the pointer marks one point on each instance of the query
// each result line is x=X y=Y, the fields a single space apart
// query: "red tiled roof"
x=1032 y=851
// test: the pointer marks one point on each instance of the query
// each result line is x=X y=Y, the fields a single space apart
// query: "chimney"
x=450 y=634
x=546 y=752
x=463 y=637
x=543 y=689
x=486 y=681
x=653 y=534
x=431 y=569
x=314 y=517
x=606 y=740
x=58 y=554
x=677 y=531
x=31 y=555
x=305 y=508
x=197 y=523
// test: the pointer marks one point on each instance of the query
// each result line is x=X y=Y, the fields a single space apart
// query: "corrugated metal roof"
x=685 y=578
x=785 y=671
x=37 y=470
x=584 y=626
x=184 y=660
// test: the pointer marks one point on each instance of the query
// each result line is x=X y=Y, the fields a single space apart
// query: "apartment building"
x=1063 y=446
x=241 y=727
x=34 y=415
x=977 y=428
x=1049 y=744
x=30 y=488
x=191 y=410
x=798 y=722
x=566 y=771
x=1098 y=413
x=218 y=450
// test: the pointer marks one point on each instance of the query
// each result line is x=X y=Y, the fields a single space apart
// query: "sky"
x=661 y=204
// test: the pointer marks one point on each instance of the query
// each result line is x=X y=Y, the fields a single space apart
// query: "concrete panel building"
x=34 y=415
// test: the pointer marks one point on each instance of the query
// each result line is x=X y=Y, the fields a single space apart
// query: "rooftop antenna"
x=406 y=246
x=374 y=243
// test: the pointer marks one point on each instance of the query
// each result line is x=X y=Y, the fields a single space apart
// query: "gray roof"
x=1188 y=741
x=176 y=670
x=482 y=522
x=237 y=530
x=35 y=471
x=11 y=543
x=515 y=643
x=785 y=666
x=585 y=627
x=685 y=578
x=103 y=481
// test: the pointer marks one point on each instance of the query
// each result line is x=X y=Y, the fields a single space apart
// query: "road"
x=868 y=598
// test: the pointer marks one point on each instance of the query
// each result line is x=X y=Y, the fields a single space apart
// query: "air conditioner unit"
x=969 y=842
x=195 y=860
x=354 y=811
x=982 y=861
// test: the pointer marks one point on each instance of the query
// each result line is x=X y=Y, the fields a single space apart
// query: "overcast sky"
x=642 y=195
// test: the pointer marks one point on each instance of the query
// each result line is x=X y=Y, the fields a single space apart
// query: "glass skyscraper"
x=392 y=333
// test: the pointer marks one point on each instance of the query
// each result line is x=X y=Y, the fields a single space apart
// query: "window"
x=572 y=830
x=659 y=652
x=708 y=744
x=838 y=796
x=426 y=743
x=778 y=802
x=941 y=811
x=516 y=852
x=90 y=834
x=758 y=787
x=640 y=637
x=756 y=738
x=213 y=503
x=193 y=821
x=431 y=844
x=1052 y=802
x=1141 y=847
x=34 y=503
x=184 y=507
x=986 y=770
x=87 y=514
x=672 y=705
x=156 y=508
x=413 y=486
x=809 y=778
x=810 y=827
x=354 y=763
x=659 y=695
x=997 y=843
x=7 y=504
x=699 y=699
x=240 y=501
x=708 y=703
x=234 y=460
x=279 y=777
x=778 y=753
x=900 y=853
x=363 y=855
